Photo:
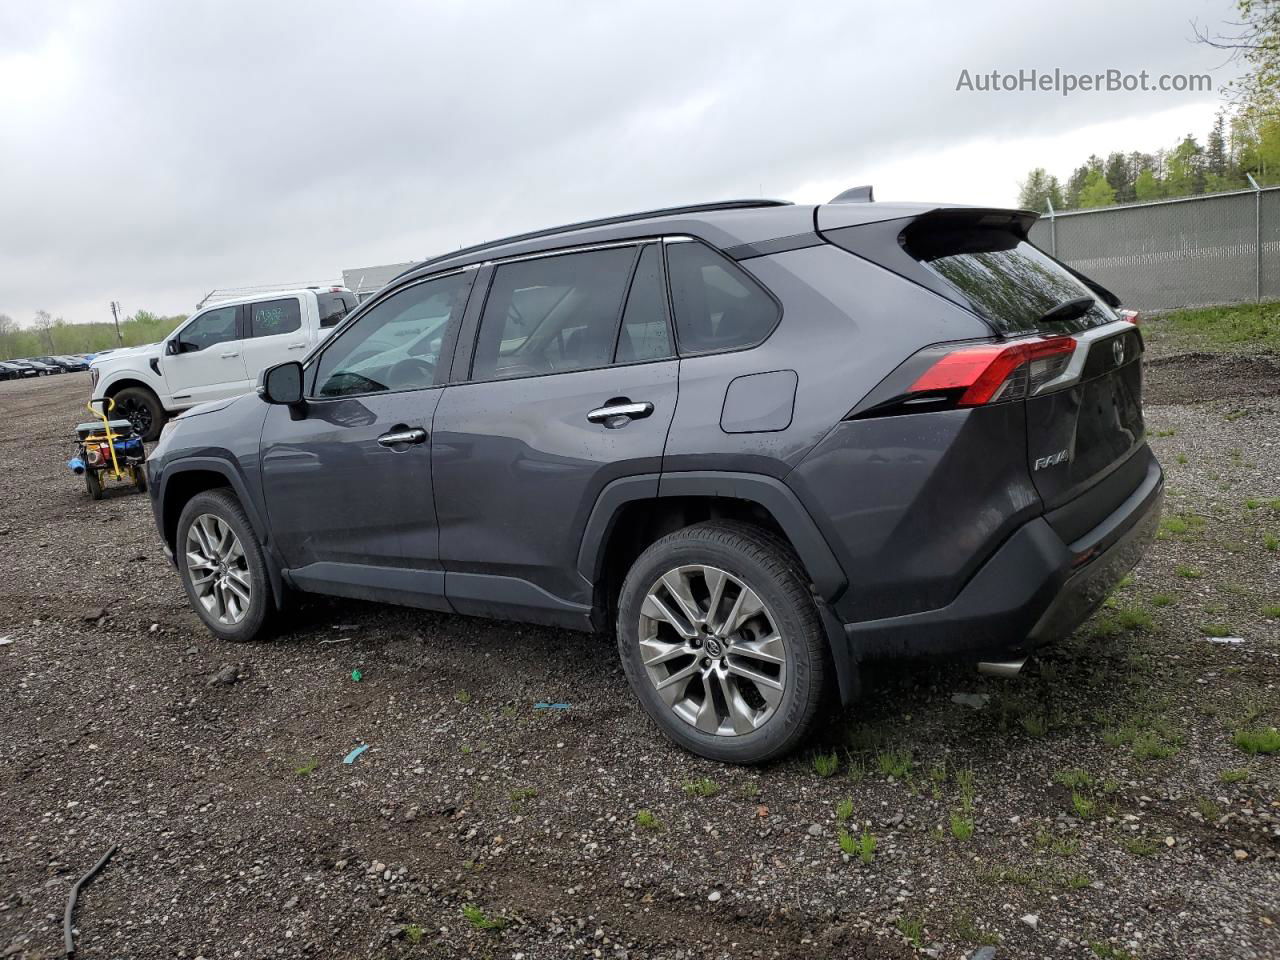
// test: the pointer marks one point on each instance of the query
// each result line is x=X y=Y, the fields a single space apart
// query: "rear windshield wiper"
x=1069 y=310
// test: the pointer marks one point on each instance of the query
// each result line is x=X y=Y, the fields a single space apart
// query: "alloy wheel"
x=138 y=414
x=218 y=569
x=712 y=650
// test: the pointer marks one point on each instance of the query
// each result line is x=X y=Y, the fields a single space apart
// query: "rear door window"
x=1008 y=280
x=334 y=307
x=270 y=318
x=552 y=314
x=717 y=306
x=645 y=334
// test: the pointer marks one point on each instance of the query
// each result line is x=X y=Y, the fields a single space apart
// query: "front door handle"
x=229 y=356
x=297 y=346
x=614 y=410
x=398 y=437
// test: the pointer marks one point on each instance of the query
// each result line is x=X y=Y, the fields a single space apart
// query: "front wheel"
x=722 y=643
x=222 y=567
x=141 y=408
x=93 y=484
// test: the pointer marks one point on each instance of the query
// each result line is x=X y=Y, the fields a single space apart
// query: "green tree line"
x=1244 y=139
x=50 y=336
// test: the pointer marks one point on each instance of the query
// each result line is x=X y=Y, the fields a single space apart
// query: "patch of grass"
x=1163 y=600
x=1257 y=740
x=646 y=820
x=1179 y=526
x=1077 y=881
x=414 y=933
x=463 y=697
x=481 y=920
x=749 y=790
x=1271 y=542
x=1271 y=611
x=1149 y=746
x=1182 y=459
x=894 y=763
x=1207 y=808
x=1162 y=433
x=826 y=764
x=844 y=810
x=1215 y=629
x=964 y=927
x=961 y=826
x=520 y=794
x=1237 y=775
x=1139 y=846
x=1134 y=618
x=704 y=787
x=912 y=928
x=1084 y=806
x=857 y=771
x=308 y=768
x=1188 y=573
x=1035 y=724
x=866 y=847
x=1074 y=778
x=848 y=843
x=965 y=784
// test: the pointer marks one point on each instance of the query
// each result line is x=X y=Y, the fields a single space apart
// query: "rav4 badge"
x=1060 y=457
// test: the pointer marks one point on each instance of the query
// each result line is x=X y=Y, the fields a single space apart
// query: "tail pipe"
x=1002 y=668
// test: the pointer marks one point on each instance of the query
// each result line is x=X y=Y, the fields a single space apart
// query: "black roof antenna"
x=854 y=195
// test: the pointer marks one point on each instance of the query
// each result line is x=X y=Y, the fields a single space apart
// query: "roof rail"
x=854 y=195
x=601 y=222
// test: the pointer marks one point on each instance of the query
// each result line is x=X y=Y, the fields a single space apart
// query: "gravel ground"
x=1095 y=806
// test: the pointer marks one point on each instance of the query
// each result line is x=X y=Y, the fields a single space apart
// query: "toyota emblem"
x=1117 y=350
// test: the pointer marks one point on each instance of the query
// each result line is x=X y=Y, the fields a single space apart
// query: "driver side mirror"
x=173 y=347
x=282 y=384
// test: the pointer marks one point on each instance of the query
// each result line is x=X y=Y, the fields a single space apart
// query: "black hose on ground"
x=68 y=936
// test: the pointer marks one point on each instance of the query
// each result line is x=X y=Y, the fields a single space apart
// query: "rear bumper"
x=1033 y=590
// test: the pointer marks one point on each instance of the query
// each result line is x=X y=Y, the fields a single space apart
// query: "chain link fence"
x=1198 y=251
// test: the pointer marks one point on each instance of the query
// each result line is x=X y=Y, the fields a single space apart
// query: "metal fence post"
x=1257 y=223
x=1053 y=228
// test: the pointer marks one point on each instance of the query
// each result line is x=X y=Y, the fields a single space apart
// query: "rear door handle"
x=399 y=437
x=632 y=411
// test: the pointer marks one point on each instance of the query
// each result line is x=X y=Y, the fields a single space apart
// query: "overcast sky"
x=152 y=151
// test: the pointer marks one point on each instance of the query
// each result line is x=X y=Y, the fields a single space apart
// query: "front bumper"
x=1034 y=589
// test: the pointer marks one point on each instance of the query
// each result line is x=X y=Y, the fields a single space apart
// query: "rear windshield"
x=1006 y=278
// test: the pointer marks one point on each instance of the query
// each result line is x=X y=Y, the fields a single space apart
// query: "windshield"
x=1006 y=278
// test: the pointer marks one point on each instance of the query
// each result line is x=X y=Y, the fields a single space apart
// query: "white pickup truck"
x=219 y=352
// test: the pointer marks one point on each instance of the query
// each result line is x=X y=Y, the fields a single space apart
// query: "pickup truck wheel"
x=142 y=408
x=222 y=567
x=722 y=642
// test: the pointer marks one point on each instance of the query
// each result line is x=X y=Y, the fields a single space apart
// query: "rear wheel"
x=141 y=408
x=722 y=642
x=93 y=484
x=222 y=567
x=140 y=478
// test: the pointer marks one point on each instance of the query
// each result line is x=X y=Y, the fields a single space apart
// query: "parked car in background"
x=218 y=353
x=757 y=442
x=42 y=368
x=12 y=370
x=65 y=364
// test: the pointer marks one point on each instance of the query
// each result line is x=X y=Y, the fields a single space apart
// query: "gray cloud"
x=152 y=151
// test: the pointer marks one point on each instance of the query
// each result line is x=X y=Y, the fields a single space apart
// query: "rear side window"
x=645 y=334
x=334 y=306
x=273 y=317
x=717 y=306
x=1010 y=281
x=552 y=314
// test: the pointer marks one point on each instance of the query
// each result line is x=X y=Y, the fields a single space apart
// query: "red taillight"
x=1132 y=316
x=992 y=372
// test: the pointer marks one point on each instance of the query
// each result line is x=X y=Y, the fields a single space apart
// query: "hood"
x=212 y=406
x=146 y=351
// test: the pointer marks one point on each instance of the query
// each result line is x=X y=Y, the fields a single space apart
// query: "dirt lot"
x=1098 y=806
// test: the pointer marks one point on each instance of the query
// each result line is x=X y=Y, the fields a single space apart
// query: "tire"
x=140 y=478
x=220 y=604
x=142 y=408
x=93 y=484
x=754 y=721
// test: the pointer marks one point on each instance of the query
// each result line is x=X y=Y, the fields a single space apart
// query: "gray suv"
x=755 y=441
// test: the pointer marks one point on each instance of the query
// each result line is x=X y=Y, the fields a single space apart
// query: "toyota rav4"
x=756 y=442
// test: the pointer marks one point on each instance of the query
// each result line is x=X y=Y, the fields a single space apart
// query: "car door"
x=568 y=382
x=347 y=476
x=203 y=360
x=274 y=332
